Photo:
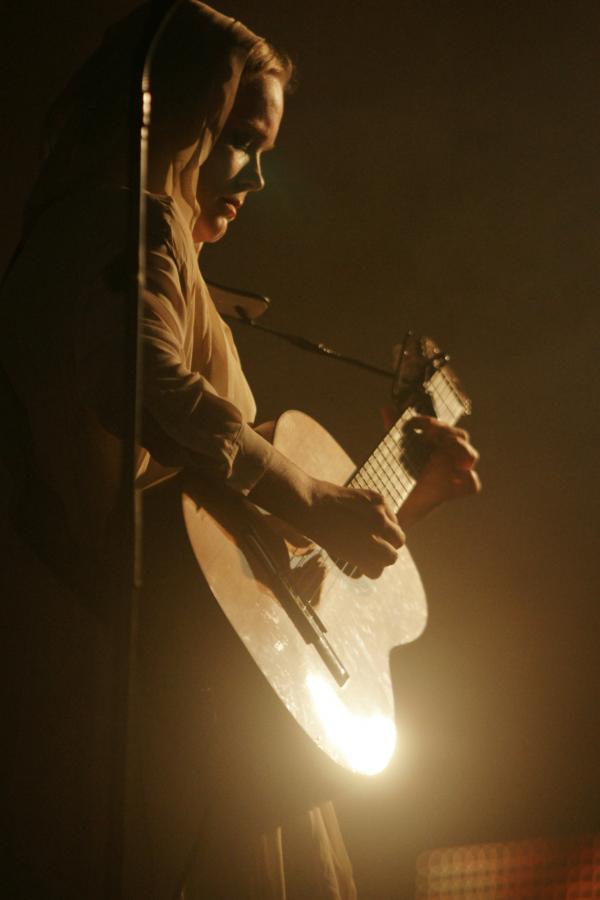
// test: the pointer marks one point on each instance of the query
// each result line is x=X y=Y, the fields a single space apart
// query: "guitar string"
x=365 y=479
x=384 y=472
x=400 y=473
x=383 y=465
x=443 y=393
x=439 y=389
x=368 y=478
x=460 y=405
x=462 y=402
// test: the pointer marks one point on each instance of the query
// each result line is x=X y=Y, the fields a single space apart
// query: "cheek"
x=216 y=172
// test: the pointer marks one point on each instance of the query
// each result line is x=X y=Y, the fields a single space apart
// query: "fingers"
x=436 y=432
x=371 y=559
x=355 y=525
x=384 y=522
x=462 y=453
x=376 y=556
x=467 y=482
x=385 y=538
x=451 y=441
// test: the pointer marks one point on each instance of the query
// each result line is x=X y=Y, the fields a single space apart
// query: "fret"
x=384 y=470
x=445 y=394
x=388 y=453
x=394 y=478
x=393 y=467
x=373 y=477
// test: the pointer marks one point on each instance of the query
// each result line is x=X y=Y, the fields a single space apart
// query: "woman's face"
x=233 y=168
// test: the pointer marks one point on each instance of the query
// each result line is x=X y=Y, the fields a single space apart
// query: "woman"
x=218 y=98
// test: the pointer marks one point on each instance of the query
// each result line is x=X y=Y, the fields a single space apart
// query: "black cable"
x=304 y=344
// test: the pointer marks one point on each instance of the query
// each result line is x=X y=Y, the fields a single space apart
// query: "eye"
x=241 y=140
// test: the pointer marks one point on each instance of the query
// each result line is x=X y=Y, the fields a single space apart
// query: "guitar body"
x=250 y=559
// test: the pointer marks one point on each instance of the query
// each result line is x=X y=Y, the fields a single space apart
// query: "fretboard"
x=393 y=467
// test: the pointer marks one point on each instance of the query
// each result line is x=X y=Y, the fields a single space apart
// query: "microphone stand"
x=124 y=579
x=404 y=387
x=304 y=344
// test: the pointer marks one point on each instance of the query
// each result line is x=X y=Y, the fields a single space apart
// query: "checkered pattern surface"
x=540 y=869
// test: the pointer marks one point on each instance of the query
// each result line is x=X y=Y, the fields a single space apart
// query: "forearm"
x=285 y=490
x=417 y=505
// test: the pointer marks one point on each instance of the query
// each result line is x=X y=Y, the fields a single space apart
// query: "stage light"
x=366 y=743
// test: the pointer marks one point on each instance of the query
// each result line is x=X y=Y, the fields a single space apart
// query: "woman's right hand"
x=352 y=525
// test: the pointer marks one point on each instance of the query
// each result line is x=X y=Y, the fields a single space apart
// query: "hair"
x=265 y=59
x=87 y=133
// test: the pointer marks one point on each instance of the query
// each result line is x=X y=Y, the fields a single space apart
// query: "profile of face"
x=233 y=168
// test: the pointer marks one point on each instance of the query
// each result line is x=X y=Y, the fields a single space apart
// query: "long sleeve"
x=197 y=403
x=63 y=305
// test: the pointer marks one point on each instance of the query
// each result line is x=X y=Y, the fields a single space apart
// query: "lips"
x=232 y=204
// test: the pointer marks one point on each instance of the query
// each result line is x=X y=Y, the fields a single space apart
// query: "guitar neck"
x=394 y=465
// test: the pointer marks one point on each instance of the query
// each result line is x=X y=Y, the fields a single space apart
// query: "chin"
x=211 y=232
x=217 y=235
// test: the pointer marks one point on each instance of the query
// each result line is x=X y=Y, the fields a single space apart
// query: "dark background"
x=437 y=170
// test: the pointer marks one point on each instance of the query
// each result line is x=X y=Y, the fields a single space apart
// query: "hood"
x=91 y=133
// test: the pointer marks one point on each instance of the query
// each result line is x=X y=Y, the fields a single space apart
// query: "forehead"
x=259 y=104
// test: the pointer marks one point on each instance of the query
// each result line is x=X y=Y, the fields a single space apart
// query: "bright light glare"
x=366 y=742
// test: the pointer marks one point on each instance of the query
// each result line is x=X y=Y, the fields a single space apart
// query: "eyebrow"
x=255 y=129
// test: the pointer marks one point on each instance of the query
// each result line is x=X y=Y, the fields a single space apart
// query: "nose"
x=251 y=177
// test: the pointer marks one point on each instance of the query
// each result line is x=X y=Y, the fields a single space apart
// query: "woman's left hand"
x=448 y=473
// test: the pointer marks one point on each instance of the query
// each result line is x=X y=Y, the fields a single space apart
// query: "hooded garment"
x=62 y=310
x=65 y=300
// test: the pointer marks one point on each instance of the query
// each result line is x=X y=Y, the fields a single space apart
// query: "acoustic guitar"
x=321 y=635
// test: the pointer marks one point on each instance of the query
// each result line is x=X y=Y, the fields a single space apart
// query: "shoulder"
x=113 y=212
x=161 y=220
x=166 y=233
x=166 y=230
